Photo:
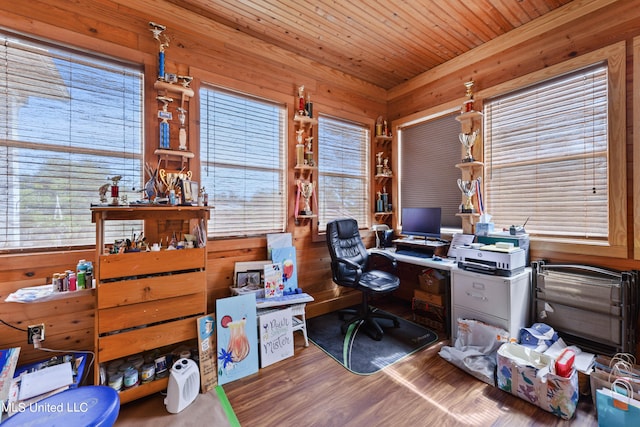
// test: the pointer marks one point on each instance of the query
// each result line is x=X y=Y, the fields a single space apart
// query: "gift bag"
x=616 y=405
x=607 y=369
x=528 y=374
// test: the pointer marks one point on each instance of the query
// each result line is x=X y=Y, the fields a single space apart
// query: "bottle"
x=72 y=281
x=81 y=274
x=88 y=277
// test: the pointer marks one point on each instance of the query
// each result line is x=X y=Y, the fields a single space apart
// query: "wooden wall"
x=222 y=56
x=552 y=39
x=208 y=52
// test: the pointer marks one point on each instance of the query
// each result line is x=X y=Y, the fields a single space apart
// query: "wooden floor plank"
x=312 y=389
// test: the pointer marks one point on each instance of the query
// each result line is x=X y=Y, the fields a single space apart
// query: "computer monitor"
x=424 y=222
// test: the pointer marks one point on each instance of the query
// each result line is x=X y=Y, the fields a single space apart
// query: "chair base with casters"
x=367 y=315
x=350 y=266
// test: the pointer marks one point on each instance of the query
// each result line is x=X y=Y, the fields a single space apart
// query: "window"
x=343 y=171
x=242 y=154
x=546 y=156
x=428 y=153
x=70 y=121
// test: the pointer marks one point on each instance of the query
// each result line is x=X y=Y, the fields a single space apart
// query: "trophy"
x=468 y=188
x=301 y=102
x=379 y=165
x=157 y=30
x=467 y=106
x=305 y=189
x=115 y=190
x=467 y=140
x=182 y=136
x=165 y=115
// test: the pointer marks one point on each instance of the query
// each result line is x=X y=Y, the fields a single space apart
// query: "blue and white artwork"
x=286 y=256
x=237 y=330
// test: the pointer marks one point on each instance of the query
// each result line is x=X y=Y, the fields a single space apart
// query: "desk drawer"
x=467 y=313
x=486 y=294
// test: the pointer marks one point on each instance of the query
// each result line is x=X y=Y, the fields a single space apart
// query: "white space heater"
x=184 y=385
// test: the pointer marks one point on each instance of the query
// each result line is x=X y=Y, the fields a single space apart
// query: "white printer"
x=500 y=259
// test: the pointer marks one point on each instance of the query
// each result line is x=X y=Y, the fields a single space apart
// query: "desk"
x=411 y=267
x=496 y=300
x=445 y=264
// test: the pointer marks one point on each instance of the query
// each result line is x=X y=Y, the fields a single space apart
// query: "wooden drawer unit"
x=147 y=300
x=496 y=300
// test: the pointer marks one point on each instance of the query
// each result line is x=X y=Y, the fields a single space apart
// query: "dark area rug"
x=360 y=353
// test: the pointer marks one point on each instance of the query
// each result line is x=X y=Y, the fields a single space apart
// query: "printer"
x=501 y=259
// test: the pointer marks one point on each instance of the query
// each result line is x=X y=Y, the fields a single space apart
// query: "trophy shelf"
x=305 y=120
x=382 y=215
x=170 y=87
x=304 y=169
x=382 y=177
x=468 y=119
x=470 y=165
x=468 y=221
x=383 y=139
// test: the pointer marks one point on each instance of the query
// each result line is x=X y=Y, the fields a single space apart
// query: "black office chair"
x=350 y=267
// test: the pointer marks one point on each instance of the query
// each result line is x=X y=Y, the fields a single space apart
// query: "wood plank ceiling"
x=383 y=42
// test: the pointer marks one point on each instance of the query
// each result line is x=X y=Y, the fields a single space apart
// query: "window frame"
x=367 y=123
x=616 y=243
x=210 y=83
x=135 y=152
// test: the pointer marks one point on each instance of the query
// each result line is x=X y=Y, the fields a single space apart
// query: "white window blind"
x=546 y=156
x=69 y=121
x=428 y=153
x=242 y=153
x=343 y=171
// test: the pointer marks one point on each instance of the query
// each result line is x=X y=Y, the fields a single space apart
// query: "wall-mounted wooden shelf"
x=305 y=120
x=176 y=88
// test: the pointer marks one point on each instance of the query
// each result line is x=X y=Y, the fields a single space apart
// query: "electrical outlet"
x=35 y=331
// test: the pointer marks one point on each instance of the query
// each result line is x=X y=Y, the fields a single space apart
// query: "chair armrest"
x=352 y=266
x=390 y=259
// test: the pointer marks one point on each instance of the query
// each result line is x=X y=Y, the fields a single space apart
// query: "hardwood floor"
x=311 y=389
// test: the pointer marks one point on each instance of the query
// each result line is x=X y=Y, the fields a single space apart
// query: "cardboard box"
x=433 y=281
x=431 y=316
x=437 y=299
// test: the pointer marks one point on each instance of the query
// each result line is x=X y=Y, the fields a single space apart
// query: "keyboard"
x=283 y=300
x=418 y=254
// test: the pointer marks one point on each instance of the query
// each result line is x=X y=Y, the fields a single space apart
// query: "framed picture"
x=250 y=278
x=190 y=191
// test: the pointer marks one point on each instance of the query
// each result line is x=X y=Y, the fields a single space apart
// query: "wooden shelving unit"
x=382 y=175
x=306 y=165
x=470 y=121
x=146 y=300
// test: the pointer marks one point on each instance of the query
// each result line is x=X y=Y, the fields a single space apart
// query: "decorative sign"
x=207 y=352
x=273 y=280
x=276 y=336
x=237 y=331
